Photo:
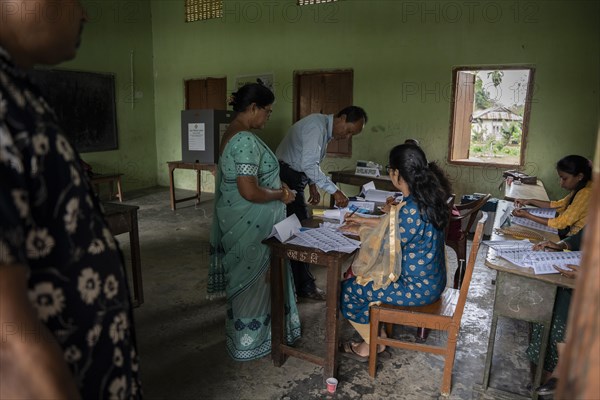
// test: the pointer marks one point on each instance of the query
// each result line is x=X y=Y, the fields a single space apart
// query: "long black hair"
x=251 y=93
x=575 y=165
x=427 y=183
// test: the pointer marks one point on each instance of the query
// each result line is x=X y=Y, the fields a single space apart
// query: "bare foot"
x=362 y=349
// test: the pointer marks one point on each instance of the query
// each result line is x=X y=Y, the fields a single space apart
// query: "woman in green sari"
x=249 y=200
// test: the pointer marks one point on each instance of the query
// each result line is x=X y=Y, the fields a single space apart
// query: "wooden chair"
x=459 y=245
x=445 y=315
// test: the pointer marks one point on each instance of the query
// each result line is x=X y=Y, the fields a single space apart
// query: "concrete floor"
x=181 y=334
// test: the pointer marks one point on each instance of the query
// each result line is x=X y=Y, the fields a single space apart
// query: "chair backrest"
x=471 y=209
x=464 y=289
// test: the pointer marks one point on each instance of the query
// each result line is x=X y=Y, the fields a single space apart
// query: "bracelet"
x=285 y=194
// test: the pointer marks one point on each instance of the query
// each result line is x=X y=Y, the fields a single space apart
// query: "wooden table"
x=122 y=218
x=111 y=179
x=334 y=262
x=522 y=295
x=523 y=191
x=350 y=178
x=188 y=165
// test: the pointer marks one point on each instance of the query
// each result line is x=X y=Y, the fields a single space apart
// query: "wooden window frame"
x=456 y=142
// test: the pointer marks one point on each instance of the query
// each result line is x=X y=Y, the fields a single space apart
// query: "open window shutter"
x=463 y=111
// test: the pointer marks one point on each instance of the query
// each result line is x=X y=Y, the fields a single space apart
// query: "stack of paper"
x=520 y=253
x=379 y=196
x=539 y=212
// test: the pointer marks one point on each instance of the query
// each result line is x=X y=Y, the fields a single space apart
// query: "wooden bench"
x=122 y=218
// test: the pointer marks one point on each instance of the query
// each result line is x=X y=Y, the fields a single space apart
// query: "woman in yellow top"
x=575 y=173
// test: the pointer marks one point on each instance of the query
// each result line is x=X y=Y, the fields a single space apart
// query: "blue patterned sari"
x=240 y=262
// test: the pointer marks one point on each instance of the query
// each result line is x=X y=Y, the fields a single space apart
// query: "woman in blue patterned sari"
x=421 y=222
x=249 y=200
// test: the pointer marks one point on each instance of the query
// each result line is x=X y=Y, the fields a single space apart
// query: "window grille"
x=308 y=2
x=198 y=10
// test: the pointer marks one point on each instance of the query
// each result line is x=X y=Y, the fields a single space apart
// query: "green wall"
x=402 y=54
x=115 y=29
x=395 y=48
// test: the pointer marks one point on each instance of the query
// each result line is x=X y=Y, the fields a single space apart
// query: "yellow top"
x=573 y=215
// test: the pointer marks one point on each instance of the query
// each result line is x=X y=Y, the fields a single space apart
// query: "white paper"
x=285 y=229
x=368 y=186
x=543 y=262
x=381 y=196
x=539 y=212
x=532 y=224
x=336 y=213
x=196 y=137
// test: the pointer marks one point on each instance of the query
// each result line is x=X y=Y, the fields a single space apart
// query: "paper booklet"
x=543 y=262
x=539 y=212
x=285 y=229
x=325 y=239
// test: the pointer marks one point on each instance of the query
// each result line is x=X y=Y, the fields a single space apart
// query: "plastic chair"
x=445 y=315
x=459 y=245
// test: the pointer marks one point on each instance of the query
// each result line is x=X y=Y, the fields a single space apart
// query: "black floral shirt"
x=52 y=224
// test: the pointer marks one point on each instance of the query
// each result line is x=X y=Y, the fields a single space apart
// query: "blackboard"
x=84 y=103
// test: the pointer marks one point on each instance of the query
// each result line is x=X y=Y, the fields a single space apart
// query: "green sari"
x=239 y=261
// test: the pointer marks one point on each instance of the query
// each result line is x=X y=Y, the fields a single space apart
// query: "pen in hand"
x=352 y=213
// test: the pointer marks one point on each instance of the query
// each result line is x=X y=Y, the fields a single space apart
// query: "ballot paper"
x=520 y=253
x=543 y=262
x=285 y=229
x=325 y=239
x=538 y=212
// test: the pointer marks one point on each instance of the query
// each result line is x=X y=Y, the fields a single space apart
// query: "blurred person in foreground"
x=64 y=301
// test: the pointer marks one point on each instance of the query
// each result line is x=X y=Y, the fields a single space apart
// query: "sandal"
x=347 y=350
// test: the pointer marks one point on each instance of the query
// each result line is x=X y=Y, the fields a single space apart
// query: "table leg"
x=332 y=322
x=277 y=311
x=490 y=353
x=172 y=187
x=198 y=185
x=119 y=189
x=136 y=265
x=110 y=189
x=540 y=365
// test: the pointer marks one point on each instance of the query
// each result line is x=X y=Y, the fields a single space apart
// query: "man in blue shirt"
x=300 y=154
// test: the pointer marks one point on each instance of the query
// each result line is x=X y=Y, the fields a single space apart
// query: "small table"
x=350 y=178
x=188 y=165
x=523 y=191
x=333 y=261
x=122 y=218
x=522 y=295
x=111 y=179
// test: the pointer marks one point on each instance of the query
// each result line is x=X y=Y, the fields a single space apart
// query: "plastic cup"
x=331 y=384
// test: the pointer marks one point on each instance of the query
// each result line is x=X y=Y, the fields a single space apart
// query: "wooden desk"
x=111 y=179
x=333 y=261
x=522 y=295
x=522 y=191
x=350 y=178
x=188 y=165
x=122 y=218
